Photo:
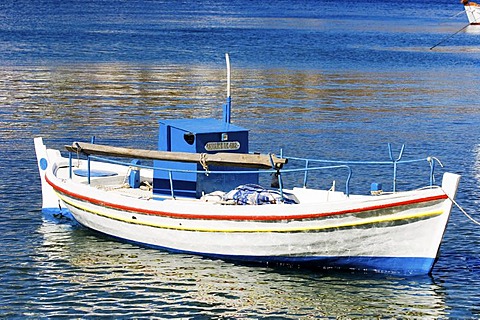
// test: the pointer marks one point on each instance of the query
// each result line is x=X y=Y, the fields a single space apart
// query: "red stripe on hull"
x=237 y=217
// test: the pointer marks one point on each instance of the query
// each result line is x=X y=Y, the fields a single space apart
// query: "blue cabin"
x=199 y=136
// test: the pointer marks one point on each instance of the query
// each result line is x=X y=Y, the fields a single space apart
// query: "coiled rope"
x=203 y=162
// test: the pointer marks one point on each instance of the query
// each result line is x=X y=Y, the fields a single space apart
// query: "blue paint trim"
x=391 y=265
x=227 y=110
x=43 y=164
x=182 y=188
x=407 y=266
x=94 y=173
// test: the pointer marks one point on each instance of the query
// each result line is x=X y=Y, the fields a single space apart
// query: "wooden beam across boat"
x=246 y=160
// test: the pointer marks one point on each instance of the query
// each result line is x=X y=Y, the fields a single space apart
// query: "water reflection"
x=109 y=276
x=312 y=113
x=103 y=98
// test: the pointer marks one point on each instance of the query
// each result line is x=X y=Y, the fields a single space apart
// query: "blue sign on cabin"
x=199 y=136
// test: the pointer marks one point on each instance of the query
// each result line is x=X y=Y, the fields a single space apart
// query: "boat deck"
x=114 y=179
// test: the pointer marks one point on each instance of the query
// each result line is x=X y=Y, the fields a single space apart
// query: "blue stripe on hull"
x=391 y=265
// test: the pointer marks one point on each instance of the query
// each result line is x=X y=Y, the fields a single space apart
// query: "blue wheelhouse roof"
x=205 y=125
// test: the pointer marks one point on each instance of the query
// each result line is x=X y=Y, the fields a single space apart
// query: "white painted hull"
x=473 y=13
x=397 y=233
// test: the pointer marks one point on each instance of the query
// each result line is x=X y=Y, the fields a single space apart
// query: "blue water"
x=317 y=78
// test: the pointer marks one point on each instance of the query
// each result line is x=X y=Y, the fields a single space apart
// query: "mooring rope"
x=450 y=36
x=464 y=212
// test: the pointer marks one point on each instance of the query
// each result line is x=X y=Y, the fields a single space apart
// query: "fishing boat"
x=472 y=9
x=200 y=194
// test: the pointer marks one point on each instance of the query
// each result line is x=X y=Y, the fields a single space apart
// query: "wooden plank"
x=246 y=160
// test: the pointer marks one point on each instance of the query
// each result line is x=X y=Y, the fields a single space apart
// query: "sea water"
x=323 y=79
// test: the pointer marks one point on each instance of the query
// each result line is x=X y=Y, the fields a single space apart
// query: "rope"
x=458 y=13
x=464 y=212
x=79 y=149
x=446 y=38
x=203 y=162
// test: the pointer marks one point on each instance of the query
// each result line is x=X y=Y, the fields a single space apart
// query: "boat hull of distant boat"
x=473 y=13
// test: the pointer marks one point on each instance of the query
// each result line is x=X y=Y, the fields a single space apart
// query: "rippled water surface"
x=316 y=78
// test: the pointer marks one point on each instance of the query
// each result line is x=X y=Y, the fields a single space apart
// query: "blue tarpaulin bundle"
x=257 y=195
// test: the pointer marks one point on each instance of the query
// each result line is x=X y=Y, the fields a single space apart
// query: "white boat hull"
x=394 y=233
x=473 y=13
x=405 y=248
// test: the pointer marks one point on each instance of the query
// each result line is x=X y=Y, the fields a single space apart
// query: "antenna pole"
x=227 y=58
x=227 y=107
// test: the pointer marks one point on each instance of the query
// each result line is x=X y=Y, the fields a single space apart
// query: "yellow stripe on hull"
x=363 y=222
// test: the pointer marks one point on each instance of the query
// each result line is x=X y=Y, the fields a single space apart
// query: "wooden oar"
x=247 y=160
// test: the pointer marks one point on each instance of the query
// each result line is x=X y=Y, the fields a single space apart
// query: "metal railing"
x=393 y=162
x=306 y=169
